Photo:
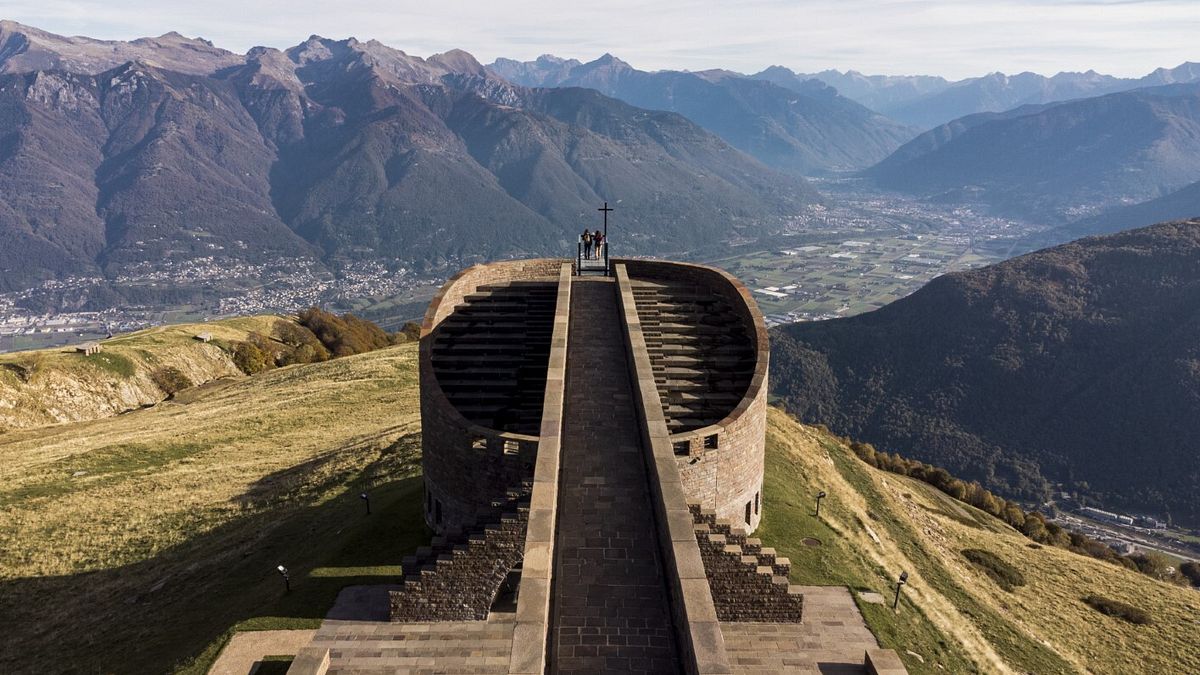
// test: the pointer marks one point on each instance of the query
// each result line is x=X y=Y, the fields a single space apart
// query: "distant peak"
x=458 y=61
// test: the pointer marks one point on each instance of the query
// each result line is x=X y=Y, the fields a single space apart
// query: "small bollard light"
x=367 y=500
x=287 y=582
x=820 y=496
x=903 y=580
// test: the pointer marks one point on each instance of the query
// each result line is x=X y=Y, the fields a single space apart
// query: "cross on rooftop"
x=605 y=210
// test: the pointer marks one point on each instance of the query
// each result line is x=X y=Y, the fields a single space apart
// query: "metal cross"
x=605 y=209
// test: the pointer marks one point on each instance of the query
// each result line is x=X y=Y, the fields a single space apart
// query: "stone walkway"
x=361 y=640
x=609 y=611
x=832 y=639
x=249 y=647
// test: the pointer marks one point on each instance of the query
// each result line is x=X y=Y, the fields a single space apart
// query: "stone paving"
x=832 y=639
x=247 y=648
x=609 y=610
x=361 y=640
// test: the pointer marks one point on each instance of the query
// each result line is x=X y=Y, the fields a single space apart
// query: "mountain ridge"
x=342 y=149
x=1074 y=364
x=805 y=130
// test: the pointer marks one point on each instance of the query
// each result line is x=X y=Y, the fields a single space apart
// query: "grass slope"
x=48 y=386
x=145 y=562
x=875 y=525
x=168 y=541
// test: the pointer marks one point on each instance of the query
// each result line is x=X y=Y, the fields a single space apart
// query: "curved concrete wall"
x=467 y=466
x=727 y=478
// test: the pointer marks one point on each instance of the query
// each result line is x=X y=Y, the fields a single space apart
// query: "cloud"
x=955 y=38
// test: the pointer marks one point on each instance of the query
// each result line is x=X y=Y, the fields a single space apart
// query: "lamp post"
x=899 y=584
x=367 y=500
x=820 y=496
x=287 y=582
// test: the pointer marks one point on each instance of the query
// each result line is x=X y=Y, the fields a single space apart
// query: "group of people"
x=593 y=244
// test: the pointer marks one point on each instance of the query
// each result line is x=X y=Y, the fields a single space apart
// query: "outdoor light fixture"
x=899 y=584
x=363 y=496
x=820 y=496
x=287 y=582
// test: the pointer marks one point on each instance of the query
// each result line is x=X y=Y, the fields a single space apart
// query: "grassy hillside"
x=138 y=542
x=134 y=542
x=875 y=524
x=59 y=385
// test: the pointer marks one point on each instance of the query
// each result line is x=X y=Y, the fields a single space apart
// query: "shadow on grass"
x=175 y=610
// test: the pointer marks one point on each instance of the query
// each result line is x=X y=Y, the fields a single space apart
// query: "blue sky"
x=953 y=38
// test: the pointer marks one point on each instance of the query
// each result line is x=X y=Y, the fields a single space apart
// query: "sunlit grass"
x=137 y=541
x=951 y=608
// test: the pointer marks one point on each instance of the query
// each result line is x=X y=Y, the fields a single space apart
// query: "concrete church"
x=593 y=451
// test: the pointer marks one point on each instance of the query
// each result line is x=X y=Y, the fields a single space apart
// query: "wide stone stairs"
x=749 y=582
x=490 y=354
x=700 y=353
x=459 y=575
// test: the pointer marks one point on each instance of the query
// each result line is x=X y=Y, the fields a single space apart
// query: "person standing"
x=587 y=245
x=599 y=243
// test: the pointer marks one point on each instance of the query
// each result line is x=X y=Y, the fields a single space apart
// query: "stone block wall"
x=467 y=467
x=727 y=478
x=458 y=577
x=748 y=581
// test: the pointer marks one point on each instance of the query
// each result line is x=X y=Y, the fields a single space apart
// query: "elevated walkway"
x=610 y=609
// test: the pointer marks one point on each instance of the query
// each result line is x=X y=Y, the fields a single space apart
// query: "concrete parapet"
x=310 y=661
x=883 y=662
x=532 y=629
x=701 y=642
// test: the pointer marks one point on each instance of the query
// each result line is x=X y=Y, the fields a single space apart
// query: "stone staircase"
x=458 y=576
x=490 y=354
x=748 y=582
x=700 y=353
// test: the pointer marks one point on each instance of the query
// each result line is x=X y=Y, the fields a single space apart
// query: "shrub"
x=411 y=331
x=171 y=380
x=1191 y=570
x=250 y=359
x=1117 y=609
x=345 y=335
x=1006 y=576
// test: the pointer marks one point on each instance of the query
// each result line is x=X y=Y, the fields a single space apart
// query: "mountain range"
x=1058 y=162
x=808 y=129
x=114 y=154
x=1077 y=364
x=925 y=101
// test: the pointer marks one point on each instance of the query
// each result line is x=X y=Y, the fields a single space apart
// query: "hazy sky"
x=954 y=38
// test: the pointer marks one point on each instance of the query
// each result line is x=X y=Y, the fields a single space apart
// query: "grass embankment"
x=137 y=543
x=49 y=386
x=874 y=525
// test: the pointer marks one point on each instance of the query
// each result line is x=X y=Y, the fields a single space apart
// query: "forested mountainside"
x=1077 y=364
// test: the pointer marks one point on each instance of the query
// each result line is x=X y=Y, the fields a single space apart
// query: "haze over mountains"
x=335 y=149
x=809 y=128
x=925 y=101
x=1058 y=162
x=1076 y=364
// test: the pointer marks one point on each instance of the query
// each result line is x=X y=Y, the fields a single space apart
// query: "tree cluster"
x=316 y=336
x=1030 y=523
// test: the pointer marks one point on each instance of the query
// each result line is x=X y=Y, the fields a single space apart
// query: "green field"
x=882 y=270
